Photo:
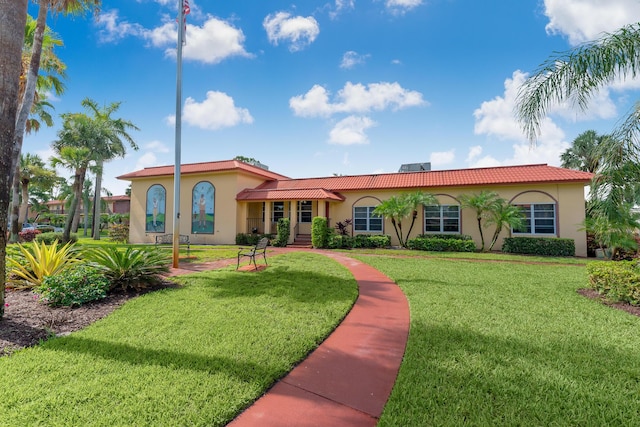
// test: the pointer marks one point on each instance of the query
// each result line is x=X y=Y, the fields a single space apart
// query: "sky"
x=319 y=88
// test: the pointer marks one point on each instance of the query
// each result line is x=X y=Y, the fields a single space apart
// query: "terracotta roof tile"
x=504 y=175
x=221 y=166
x=289 y=194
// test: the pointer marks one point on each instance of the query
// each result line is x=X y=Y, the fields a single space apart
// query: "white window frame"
x=533 y=223
x=441 y=219
x=305 y=208
x=372 y=223
x=274 y=211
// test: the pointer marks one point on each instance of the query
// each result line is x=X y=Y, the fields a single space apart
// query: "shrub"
x=28 y=235
x=371 y=241
x=119 y=232
x=438 y=244
x=617 y=280
x=130 y=268
x=74 y=288
x=551 y=246
x=250 y=239
x=49 y=238
x=319 y=232
x=337 y=241
x=446 y=236
x=284 y=230
x=38 y=261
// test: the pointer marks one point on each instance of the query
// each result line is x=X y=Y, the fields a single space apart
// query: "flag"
x=186 y=10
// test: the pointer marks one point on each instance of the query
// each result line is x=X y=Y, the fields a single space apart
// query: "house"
x=113 y=205
x=223 y=198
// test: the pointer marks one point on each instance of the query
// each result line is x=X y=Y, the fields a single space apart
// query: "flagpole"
x=176 y=171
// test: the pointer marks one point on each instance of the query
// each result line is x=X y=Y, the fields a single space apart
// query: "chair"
x=260 y=247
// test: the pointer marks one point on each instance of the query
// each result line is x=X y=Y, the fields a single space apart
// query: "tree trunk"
x=85 y=211
x=78 y=183
x=481 y=233
x=24 y=206
x=13 y=16
x=30 y=87
x=96 y=202
x=16 y=226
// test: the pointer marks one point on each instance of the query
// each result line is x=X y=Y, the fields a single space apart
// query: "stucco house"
x=223 y=198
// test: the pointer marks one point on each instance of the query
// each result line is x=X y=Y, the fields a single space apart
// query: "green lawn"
x=503 y=343
x=196 y=355
x=494 y=340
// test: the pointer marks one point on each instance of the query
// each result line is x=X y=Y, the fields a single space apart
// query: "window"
x=365 y=220
x=277 y=211
x=305 y=210
x=442 y=219
x=540 y=219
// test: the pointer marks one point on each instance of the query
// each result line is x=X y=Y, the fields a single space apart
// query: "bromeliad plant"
x=38 y=261
x=129 y=268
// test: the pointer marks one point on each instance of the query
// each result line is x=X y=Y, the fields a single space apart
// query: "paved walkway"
x=347 y=380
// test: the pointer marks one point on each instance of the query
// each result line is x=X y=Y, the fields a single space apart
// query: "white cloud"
x=113 y=29
x=496 y=118
x=351 y=130
x=474 y=153
x=401 y=6
x=298 y=31
x=441 y=158
x=156 y=146
x=350 y=59
x=585 y=20
x=146 y=160
x=215 y=112
x=340 y=6
x=355 y=98
x=210 y=43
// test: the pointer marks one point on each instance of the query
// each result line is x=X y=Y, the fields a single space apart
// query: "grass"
x=196 y=355
x=510 y=344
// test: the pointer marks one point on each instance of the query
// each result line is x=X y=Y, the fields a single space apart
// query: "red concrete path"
x=347 y=380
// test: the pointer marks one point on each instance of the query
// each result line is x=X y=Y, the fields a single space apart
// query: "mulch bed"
x=26 y=321
x=590 y=293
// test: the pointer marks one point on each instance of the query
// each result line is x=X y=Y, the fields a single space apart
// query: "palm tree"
x=396 y=208
x=32 y=170
x=585 y=153
x=504 y=215
x=107 y=145
x=27 y=99
x=14 y=17
x=576 y=75
x=482 y=203
x=74 y=151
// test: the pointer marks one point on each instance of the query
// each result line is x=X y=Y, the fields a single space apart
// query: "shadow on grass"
x=465 y=376
x=166 y=358
x=290 y=276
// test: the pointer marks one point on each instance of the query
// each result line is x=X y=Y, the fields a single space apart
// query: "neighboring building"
x=114 y=205
x=221 y=199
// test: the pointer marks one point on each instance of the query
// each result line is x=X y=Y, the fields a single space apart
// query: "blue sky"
x=316 y=88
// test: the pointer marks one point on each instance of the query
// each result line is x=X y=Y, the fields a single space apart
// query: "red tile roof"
x=221 y=166
x=504 y=175
x=289 y=194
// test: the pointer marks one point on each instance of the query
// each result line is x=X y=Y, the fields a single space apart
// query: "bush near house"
x=28 y=235
x=320 y=232
x=617 y=281
x=338 y=241
x=440 y=244
x=119 y=232
x=284 y=230
x=551 y=246
x=49 y=238
x=371 y=241
x=250 y=239
x=74 y=288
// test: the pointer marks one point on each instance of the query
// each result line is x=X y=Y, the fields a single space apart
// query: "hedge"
x=551 y=246
x=617 y=280
x=447 y=236
x=438 y=244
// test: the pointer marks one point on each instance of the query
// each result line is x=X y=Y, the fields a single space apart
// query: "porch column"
x=294 y=220
x=267 y=217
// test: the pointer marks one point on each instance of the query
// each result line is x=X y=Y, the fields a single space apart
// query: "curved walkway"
x=347 y=380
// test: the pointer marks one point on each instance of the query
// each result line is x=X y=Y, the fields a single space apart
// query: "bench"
x=259 y=248
x=167 y=239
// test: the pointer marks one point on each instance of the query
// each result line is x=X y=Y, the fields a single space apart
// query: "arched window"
x=156 y=209
x=203 y=210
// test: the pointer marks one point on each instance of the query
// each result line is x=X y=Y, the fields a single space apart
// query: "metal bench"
x=167 y=239
x=259 y=248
